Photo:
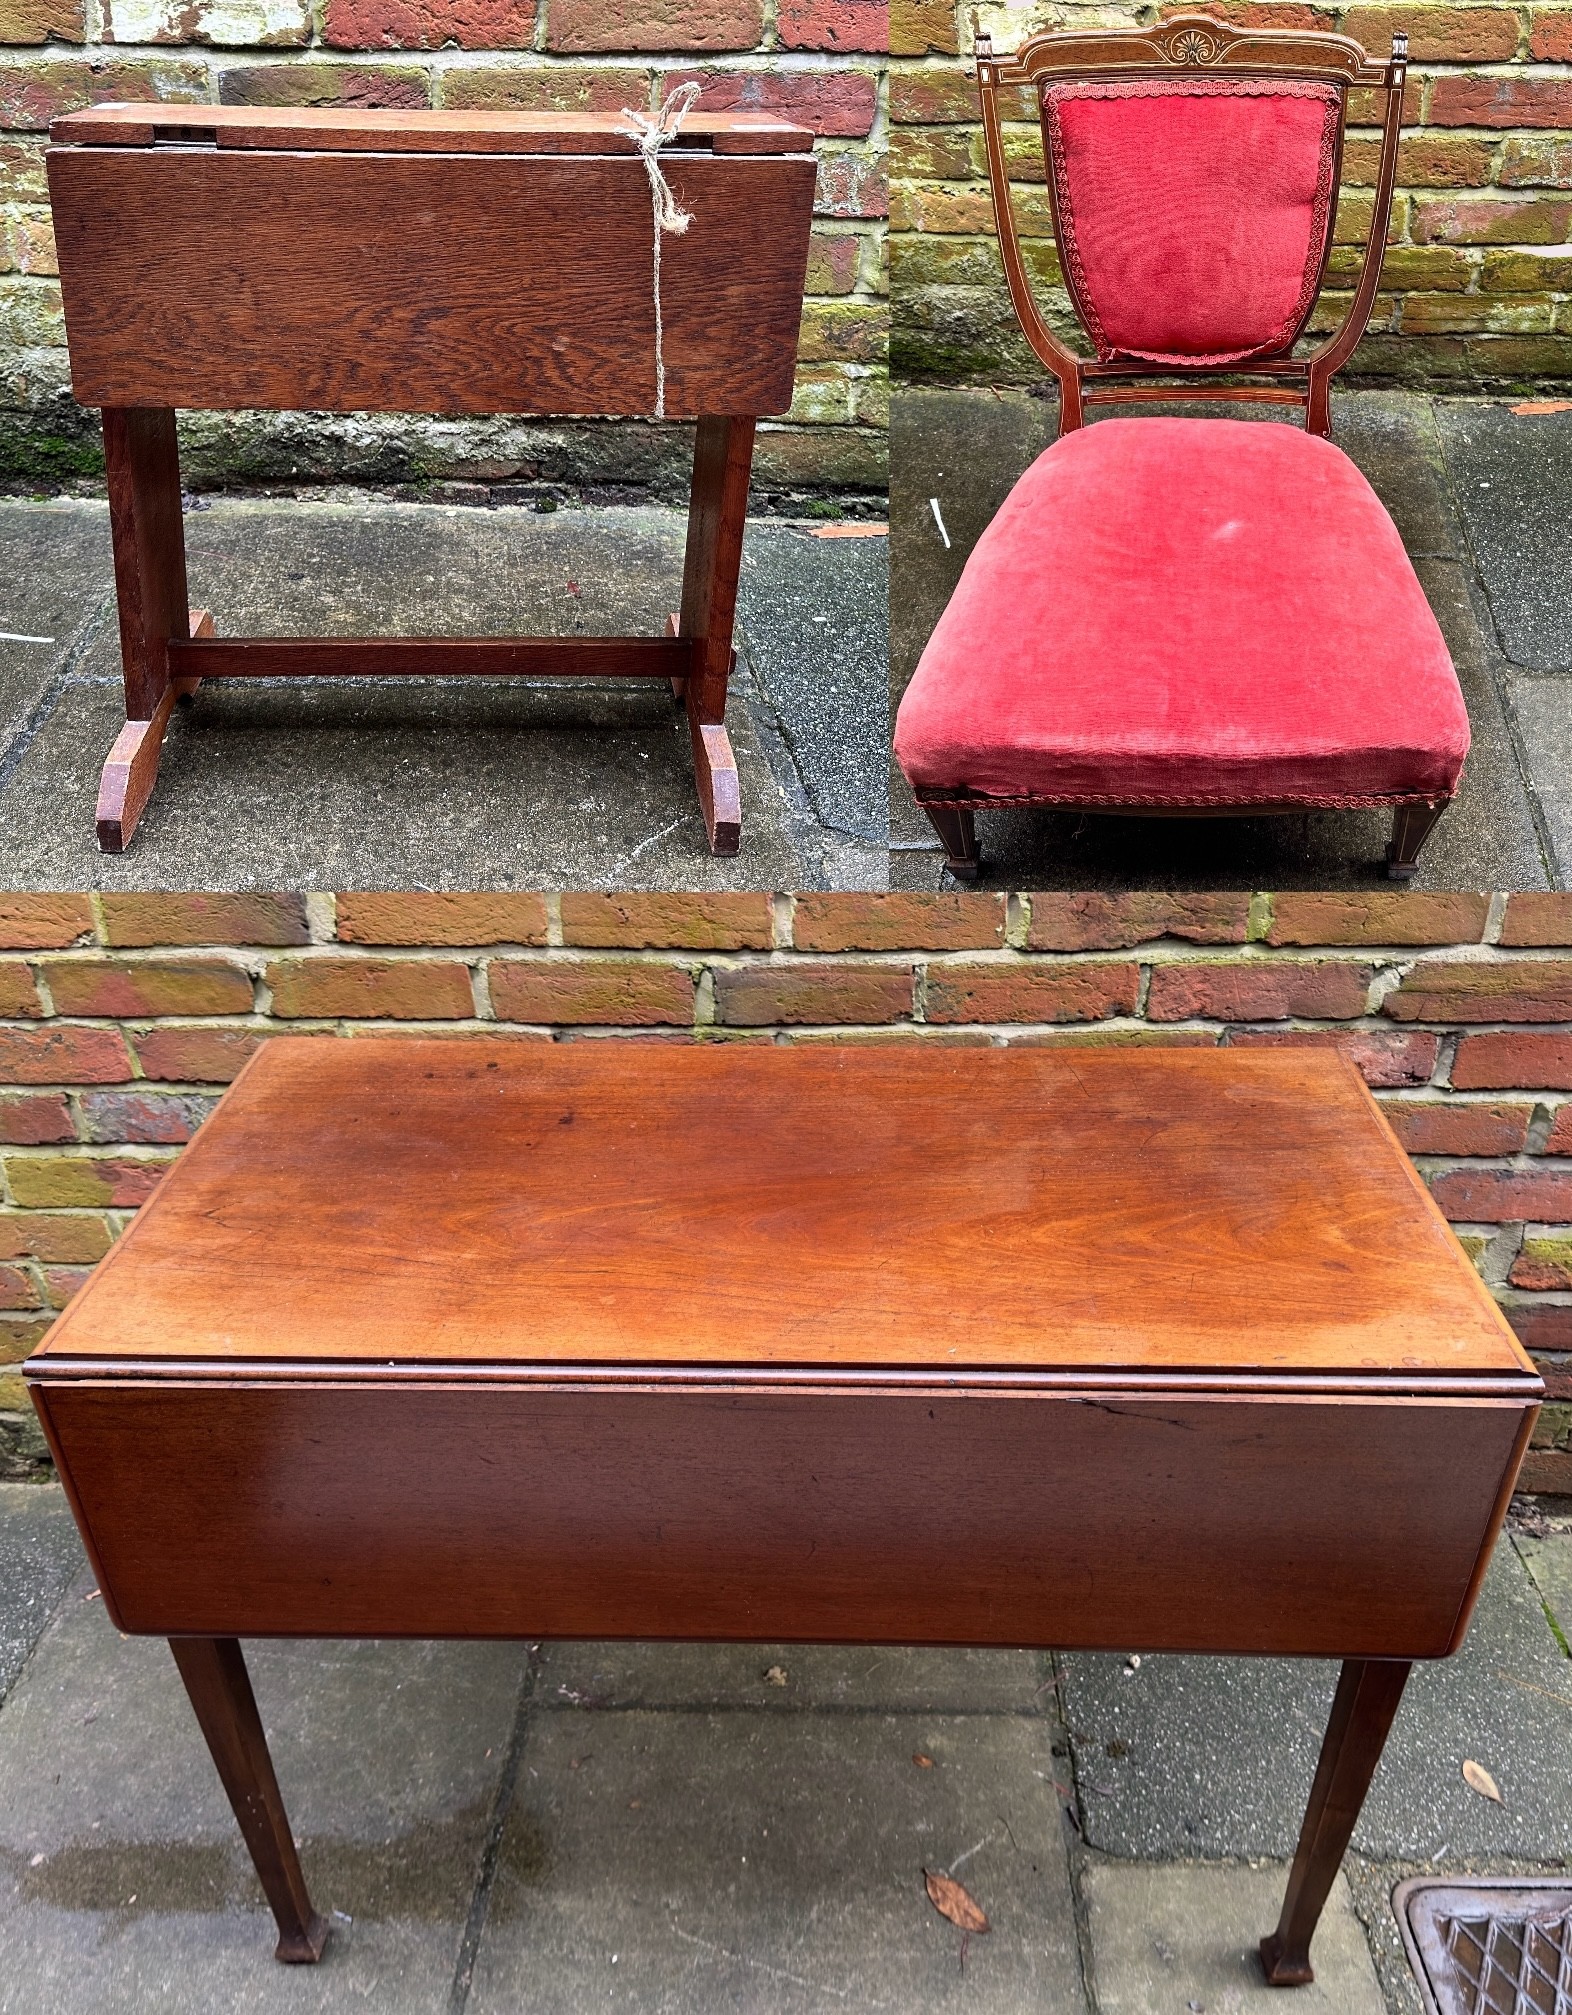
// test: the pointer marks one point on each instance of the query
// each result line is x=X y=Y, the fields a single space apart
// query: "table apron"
x=1346 y=1526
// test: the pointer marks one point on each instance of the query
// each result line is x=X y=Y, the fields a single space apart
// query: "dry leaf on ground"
x=775 y=1676
x=922 y=1762
x=1479 y=1779
x=952 y=1901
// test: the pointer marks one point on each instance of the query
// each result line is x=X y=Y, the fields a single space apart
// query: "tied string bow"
x=653 y=133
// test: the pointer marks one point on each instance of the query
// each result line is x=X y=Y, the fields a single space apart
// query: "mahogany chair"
x=1189 y=617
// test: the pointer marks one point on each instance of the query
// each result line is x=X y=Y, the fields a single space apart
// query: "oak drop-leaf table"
x=360 y=260
x=1085 y=1349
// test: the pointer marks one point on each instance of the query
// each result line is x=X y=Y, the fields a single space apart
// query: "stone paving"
x=678 y=1829
x=446 y=784
x=1481 y=491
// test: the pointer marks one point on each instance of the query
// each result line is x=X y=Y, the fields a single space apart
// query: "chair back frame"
x=1192 y=45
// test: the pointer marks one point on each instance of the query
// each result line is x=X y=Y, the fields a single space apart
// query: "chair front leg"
x=956 y=826
x=1412 y=825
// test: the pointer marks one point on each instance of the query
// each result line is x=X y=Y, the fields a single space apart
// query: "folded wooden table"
x=1091 y=1349
x=361 y=261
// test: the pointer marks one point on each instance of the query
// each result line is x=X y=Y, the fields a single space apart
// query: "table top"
x=375 y=129
x=605 y=1203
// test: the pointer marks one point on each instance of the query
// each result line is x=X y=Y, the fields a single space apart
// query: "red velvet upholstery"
x=1193 y=213
x=1186 y=612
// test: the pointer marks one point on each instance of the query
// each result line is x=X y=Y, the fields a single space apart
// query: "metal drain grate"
x=1493 y=1946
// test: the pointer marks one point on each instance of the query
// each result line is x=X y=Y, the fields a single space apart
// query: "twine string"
x=653 y=133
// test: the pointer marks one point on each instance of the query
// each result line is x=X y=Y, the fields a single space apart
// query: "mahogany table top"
x=599 y=1203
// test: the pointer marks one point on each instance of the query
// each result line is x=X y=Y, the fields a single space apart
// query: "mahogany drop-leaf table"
x=1167 y=1351
x=373 y=261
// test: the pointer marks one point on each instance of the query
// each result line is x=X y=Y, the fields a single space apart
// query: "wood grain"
x=411 y=282
x=1247 y=1211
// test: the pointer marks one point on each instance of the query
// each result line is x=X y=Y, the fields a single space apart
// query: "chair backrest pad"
x=1193 y=212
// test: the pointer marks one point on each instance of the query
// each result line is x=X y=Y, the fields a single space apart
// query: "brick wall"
x=819 y=61
x=1477 y=286
x=123 y=1016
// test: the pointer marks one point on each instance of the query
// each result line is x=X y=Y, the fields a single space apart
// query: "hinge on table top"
x=199 y=139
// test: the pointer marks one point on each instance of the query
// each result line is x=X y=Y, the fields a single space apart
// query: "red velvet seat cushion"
x=1187 y=612
x=1193 y=212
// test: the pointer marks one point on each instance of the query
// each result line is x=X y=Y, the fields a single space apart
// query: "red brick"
x=944 y=96
x=1045 y=990
x=1546 y=1472
x=1437 y=34
x=683 y=25
x=1398 y=917
x=1075 y=923
x=1560 y=1137
x=548 y=87
x=62 y=1181
x=78 y=1237
x=1533 y=1273
x=359 y=989
x=1493 y=990
x=1488 y=220
x=878 y=923
x=833 y=260
x=205 y=920
x=430 y=24
x=111 y=986
x=1501 y=100
x=643 y=993
x=1385 y=1057
x=32 y=1119
x=1537 y=918
x=18 y=1288
x=1513 y=1060
x=1257 y=990
x=110 y=1118
x=1498 y=1195
x=19 y=996
x=409 y=918
x=812 y=993
x=1540 y=1326
x=326 y=84
x=833 y=24
x=850 y=185
x=728 y=921
x=43 y=923
x=1550 y=35
x=62 y=1282
x=197 y=1055
x=1454 y=1126
x=840 y=103
x=56 y=1055
x=34 y=93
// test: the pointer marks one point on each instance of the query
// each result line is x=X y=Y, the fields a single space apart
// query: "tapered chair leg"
x=216 y=1680
x=1412 y=825
x=1368 y=1692
x=957 y=827
x=717 y=519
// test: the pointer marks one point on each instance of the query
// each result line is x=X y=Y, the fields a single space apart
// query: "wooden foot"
x=715 y=772
x=132 y=769
x=1368 y=1692
x=1411 y=827
x=957 y=827
x=215 y=1676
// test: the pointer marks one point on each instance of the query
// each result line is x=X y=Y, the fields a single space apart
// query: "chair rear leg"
x=1411 y=827
x=957 y=827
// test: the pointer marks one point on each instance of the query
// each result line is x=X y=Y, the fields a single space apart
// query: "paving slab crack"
x=502 y=1805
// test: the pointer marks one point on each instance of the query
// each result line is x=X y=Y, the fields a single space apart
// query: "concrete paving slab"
x=1512 y=473
x=1184 y=1936
x=886 y=1678
x=1213 y=1757
x=1541 y=706
x=773 y=1864
x=461 y=785
x=123 y=1882
x=39 y=1554
x=55 y=575
x=969 y=447
x=1549 y=1562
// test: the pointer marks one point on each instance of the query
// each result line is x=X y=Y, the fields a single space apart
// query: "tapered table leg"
x=216 y=1679
x=1368 y=1692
